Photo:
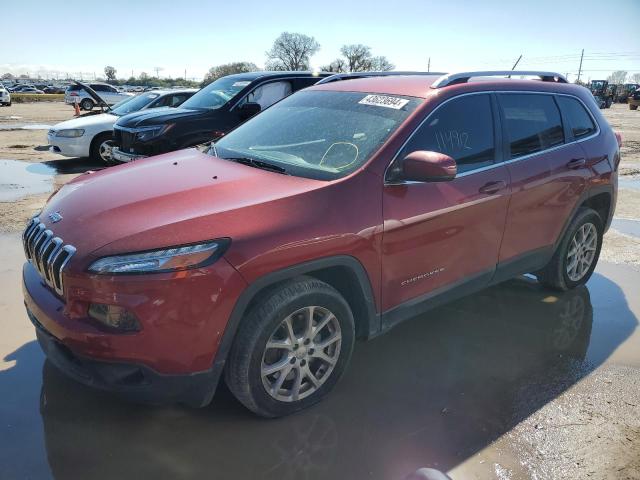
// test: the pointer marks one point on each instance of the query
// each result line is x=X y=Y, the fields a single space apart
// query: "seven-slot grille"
x=48 y=254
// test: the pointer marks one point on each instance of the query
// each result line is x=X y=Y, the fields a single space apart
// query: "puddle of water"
x=633 y=183
x=627 y=226
x=20 y=179
x=24 y=126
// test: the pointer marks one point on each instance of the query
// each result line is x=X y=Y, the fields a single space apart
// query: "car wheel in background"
x=86 y=104
x=631 y=107
x=101 y=148
x=577 y=255
x=291 y=348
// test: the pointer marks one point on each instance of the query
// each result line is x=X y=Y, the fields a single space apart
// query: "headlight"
x=165 y=260
x=147 y=133
x=70 y=132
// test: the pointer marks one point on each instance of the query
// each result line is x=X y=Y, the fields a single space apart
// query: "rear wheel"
x=101 y=147
x=631 y=107
x=86 y=104
x=291 y=349
x=577 y=255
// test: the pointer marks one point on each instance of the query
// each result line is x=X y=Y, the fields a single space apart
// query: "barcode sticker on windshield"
x=384 y=101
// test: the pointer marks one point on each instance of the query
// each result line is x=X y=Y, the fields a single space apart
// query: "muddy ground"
x=514 y=382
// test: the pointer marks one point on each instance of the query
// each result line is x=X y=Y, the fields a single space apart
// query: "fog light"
x=114 y=316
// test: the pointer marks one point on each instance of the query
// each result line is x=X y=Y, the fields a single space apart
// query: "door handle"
x=576 y=163
x=492 y=187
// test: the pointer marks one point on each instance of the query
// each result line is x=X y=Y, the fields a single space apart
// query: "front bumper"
x=121 y=156
x=132 y=381
x=69 y=146
x=173 y=358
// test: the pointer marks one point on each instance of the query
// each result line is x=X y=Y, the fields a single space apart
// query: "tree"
x=381 y=64
x=7 y=76
x=292 y=51
x=358 y=57
x=110 y=73
x=635 y=78
x=144 y=77
x=228 y=69
x=619 y=76
x=339 y=65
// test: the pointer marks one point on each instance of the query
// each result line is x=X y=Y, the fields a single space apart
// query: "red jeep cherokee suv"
x=333 y=215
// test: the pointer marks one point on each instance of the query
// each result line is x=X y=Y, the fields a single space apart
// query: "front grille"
x=124 y=139
x=48 y=254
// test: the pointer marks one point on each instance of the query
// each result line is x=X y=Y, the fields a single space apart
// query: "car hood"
x=102 y=119
x=156 y=116
x=172 y=199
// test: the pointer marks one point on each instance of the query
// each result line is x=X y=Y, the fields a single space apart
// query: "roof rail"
x=463 y=77
x=351 y=75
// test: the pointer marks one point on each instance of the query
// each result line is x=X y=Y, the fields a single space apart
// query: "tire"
x=86 y=104
x=631 y=107
x=266 y=321
x=97 y=150
x=608 y=103
x=557 y=274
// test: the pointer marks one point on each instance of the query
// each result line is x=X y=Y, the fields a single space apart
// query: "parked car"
x=209 y=114
x=76 y=93
x=335 y=214
x=91 y=136
x=634 y=99
x=5 y=97
x=53 y=89
x=20 y=87
x=32 y=90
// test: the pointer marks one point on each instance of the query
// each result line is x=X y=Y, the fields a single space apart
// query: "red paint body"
x=396 y=232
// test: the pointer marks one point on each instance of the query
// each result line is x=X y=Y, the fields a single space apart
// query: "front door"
x=438 y=235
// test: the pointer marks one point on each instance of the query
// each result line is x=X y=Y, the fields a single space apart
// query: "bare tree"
x=292 y=51
x=358 y=57
x=7 y=76
x=110 y=73
x=635 y=78
x=619 y=76
x=228 y=69
x=339 y=65
x=381 y=64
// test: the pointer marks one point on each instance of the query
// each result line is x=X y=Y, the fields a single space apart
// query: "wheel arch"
x=94 y=141
x=343 y=272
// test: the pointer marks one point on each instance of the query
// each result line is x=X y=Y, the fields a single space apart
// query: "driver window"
x=461 y=128
x=268 y=94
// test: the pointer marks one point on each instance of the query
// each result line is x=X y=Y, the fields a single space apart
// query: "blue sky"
x=458 y=35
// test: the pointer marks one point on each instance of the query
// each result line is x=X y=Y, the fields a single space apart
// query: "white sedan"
x=90 y=135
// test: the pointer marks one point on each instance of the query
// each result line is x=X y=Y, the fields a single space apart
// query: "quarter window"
x=461 y=128
x=532 y=122
x=580 y=121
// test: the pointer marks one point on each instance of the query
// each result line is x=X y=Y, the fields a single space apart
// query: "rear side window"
x=532 y=122
x=580 y=122
x=461 y=128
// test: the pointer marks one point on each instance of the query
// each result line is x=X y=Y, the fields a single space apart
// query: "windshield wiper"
x=257 y=164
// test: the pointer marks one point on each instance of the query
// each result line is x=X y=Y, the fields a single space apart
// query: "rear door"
x=438 y=235
x=547 y=177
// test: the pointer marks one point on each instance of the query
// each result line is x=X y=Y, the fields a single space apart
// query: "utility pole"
x=429 y=65
x=580 y=68
x=185 y=74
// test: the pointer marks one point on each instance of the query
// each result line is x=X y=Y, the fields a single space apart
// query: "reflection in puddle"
x=20 y=179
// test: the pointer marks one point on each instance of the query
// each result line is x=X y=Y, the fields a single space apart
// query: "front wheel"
x=101 y=148
x=577 y=255
x=86 y=104
x=291 y=349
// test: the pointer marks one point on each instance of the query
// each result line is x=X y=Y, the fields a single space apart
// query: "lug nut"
x=303 y=362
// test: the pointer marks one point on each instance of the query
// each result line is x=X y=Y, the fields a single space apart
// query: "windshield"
x=318 y=134
x=218 y=93
x=133 y=104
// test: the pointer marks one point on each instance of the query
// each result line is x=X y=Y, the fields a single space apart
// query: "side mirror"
x=424 y=166
x=250 y=109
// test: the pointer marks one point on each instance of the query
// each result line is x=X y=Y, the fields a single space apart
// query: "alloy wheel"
x=582 y=251
x=301 y=354
x=104 y=150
